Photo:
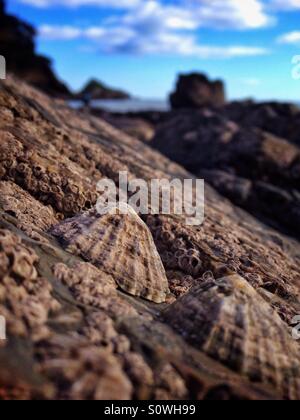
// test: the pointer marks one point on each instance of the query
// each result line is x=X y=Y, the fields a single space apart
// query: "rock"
x=94 y=89
x=280 y=119
x=17 y=45
x=73 y=333
x=131 y=125
x=253 y=168
x=196 y=90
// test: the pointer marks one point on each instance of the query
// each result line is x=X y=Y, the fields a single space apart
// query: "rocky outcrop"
x=94 y=89
x=280 y=119
x=17 y=45
x=196 y=90
x=255 y=169
x=74 y=333
x=130 y=124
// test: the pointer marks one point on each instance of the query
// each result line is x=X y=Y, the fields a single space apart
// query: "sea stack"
x=195 y=90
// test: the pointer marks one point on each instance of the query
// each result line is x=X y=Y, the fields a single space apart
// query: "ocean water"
x=127 y=105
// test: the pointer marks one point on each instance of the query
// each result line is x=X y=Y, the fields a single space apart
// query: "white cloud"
x=251 y=81
x=284 y=4
x=155 y=28
x=231 y=14
x=79 y=3
x=60 y=32
x=184 y=14
x=128 y=40
x=290 y=38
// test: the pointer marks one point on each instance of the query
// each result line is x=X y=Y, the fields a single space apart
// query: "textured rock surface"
x=255 y=169
x=196 y=90
x=281 y=119
x=131 y=125
x=73 y=333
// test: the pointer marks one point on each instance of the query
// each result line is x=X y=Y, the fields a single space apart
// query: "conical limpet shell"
x=229 y=321
x=122 y=246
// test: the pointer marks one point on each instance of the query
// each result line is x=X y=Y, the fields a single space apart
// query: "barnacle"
x=44 y=188
x=72 y=188
x=10 y=163
x=180 y=283
x=80 y=200
x=180 y=252
x=55 y=179
x=38 y=171
x=195 y=265
x=68 y=203
x=57 y=191
x=91 y=198
x=33 y=185
x=2 y=171
x=23 y=168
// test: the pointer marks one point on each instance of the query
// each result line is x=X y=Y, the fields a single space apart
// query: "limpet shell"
x=228 y=320
x=122 y=246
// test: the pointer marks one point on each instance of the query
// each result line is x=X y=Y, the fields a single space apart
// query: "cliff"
x=17 y=45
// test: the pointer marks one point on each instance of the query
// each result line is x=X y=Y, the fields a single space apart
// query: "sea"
x=128 y=105
x=131 y=105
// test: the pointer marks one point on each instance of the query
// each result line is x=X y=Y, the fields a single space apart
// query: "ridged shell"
x=230 y=322
x=121 y=245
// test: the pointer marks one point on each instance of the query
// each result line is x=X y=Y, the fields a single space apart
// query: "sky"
x=142 y=45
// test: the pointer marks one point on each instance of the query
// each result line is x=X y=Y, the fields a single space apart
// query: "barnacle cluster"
x=100 y=331
x=87 y=372
x=20 y=204
x=25 y=298
x=49 y=185
x=170 y=384
x=176 y=253
x=96 y=162
x=217 y=251
x=180 y=283
x=92 y=287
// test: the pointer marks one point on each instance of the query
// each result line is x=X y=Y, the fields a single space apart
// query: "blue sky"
x=141 y=45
